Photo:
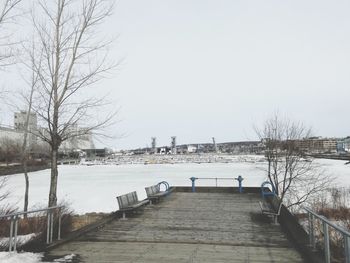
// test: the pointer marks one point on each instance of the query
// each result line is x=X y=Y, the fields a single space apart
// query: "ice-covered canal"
x=94 y=188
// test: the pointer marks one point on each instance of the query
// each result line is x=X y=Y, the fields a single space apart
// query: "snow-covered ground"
x=21 y=239
x=27 y=257
x=94 y=188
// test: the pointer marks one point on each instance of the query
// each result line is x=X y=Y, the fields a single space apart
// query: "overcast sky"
x=198 y=69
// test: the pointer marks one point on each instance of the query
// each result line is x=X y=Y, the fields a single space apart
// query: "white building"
x=16 y=133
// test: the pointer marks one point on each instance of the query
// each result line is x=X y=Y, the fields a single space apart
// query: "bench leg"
x=123 y=217
x=150 y=202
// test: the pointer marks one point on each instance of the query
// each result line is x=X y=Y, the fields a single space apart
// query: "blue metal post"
x=193 y=179
x=240 y=179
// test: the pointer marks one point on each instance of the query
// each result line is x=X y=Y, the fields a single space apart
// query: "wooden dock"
x=188 y=227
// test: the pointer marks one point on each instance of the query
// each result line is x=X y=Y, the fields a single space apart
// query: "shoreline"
x=18 y=169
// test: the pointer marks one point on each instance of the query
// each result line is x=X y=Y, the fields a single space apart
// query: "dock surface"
x=188 y=227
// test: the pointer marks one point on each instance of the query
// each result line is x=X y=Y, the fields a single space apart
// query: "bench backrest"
x=127 y=200
x=152 y=190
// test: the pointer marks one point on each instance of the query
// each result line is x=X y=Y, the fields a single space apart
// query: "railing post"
x=51 y=227
x=347 y=248
x=311 y=231
x=59 y=224
x=15 y=235
x=193 y=179
x=11 y=234
x=240 y=179
x=326 y=243
x=48 y=227
x=216 y=182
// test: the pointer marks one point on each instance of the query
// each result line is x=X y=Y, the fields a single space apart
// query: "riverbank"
x=17 y=169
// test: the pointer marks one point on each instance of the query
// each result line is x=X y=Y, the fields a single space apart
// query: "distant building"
x=8 y=133
x=343 y=145
x=20 y=121
x=79 y=139
x=191 y=149
x=317 y=145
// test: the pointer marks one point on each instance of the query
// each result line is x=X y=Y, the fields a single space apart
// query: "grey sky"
x=197 y=69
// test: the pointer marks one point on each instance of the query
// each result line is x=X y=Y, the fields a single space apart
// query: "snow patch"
x=67 y=258
x=27 y=257
x=21 y=240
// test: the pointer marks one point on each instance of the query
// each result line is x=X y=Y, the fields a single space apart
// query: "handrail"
x=220 y=178
x=239 y=179
x=326 y=223
x=324 y=219
x=29 y=212
x=50 y=220
x=167 y=186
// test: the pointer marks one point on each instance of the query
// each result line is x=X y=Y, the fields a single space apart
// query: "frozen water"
x=94 y=188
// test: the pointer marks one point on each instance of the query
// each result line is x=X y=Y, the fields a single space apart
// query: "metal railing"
x=325 y=225
x=14 y=217
x=239 y=179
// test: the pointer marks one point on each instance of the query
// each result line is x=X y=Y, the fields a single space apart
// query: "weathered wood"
x=188 y=227
x=153 y=192
x=269 y=210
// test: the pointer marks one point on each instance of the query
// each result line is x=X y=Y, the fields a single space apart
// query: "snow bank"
x=21 y=240
x=27 y=257
x=13 y=257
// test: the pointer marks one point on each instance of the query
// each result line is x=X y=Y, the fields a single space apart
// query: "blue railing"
x=239 y=179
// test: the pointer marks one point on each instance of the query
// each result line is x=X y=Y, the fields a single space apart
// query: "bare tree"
x=7 y=14
x=26 y=129
x=74 y=59
x=294 y=176
x=9 y=150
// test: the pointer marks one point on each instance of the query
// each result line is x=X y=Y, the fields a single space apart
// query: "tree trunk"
x=54 y=177
x=26 y=193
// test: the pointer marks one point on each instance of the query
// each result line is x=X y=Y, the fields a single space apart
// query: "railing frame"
x=14 y=217
x=325 y=225
x=239 y=179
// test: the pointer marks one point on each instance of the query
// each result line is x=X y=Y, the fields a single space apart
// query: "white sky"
x=197 y=69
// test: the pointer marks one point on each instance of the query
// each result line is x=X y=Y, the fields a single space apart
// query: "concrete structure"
x=154 y=145
x=221 y=226
x=20 y=121
x=214 y=145
x=8 y=133
x=16 y=134
x=173 y=145
x=81 y=142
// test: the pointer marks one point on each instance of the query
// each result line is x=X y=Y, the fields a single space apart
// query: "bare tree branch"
x=73 y=60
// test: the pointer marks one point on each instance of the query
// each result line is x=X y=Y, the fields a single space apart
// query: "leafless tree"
x=7 y=15
x=73 y=59
x=9 y=150
x=26 y=129
x=294 y=176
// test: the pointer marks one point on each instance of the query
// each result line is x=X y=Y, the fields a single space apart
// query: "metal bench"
x=154 y=193
x=129 y=202
x=272 y=210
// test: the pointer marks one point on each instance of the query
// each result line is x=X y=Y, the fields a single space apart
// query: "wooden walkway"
x=188 y=227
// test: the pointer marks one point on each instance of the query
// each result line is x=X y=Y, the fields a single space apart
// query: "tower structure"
x=154 y=145
x=215 y=146
x=173 y=145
